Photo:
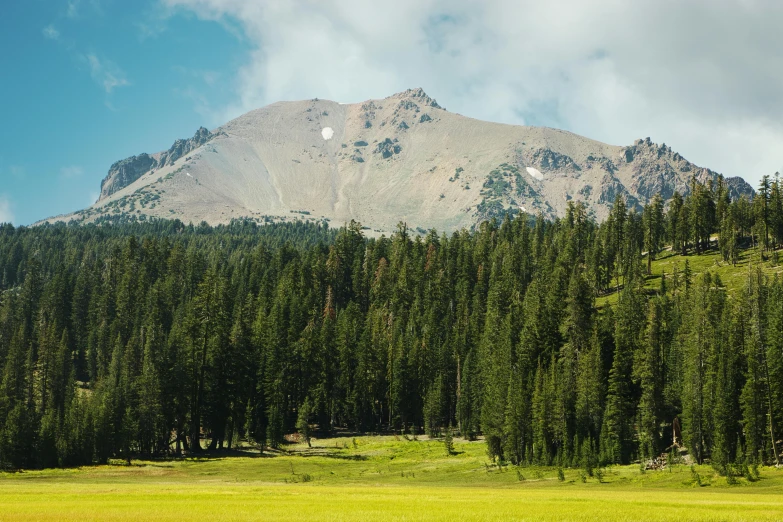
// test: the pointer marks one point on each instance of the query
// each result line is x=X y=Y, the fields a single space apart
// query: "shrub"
x=731 y=480
x=448 y=441
x=695 y=476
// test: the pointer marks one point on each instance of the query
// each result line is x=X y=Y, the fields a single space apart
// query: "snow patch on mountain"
x=535 y=173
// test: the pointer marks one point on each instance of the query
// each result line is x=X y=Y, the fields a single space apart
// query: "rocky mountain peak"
x=659 y=170
x=382 y=161
x=124 y=172
x=418 y=96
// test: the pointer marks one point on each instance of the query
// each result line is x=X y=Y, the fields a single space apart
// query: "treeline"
x=149 y=339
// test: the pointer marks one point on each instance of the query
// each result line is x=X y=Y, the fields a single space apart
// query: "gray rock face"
x=182 y=147
x=421 y=96
x=738 y=187
x=548 y=160
x=387 y=148
x=124 y=172
x=658 y=170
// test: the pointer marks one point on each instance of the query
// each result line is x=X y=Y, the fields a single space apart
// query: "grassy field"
x=379 y=478
x=733 y=277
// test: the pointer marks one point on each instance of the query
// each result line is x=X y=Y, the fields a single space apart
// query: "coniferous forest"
x=123 y=340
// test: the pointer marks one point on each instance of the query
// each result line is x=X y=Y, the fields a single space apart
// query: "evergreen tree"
x=653 y=229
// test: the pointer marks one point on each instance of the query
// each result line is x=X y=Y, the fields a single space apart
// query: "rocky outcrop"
x=547 y=160
x=420 y=96
x=658 y=170
x=387 y=148
x=609 y=188
x=126 y=171
x=738 y=187
x=182 y=147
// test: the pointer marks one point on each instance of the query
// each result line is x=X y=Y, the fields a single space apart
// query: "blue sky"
x=88 y=82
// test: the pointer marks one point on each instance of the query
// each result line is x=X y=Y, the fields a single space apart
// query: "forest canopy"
x=157 y=338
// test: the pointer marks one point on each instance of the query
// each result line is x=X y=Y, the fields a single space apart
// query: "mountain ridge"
x=403 y=157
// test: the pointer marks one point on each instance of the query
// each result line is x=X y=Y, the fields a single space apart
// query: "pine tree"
x=700 y=343
x=648 y=370
x=590 y=390
x=726 y=413
x=673 y=221
x=653 y=229
x=303 y=420
x=617 y=446
x=774 y=359
x=762 y=203
x=516 y=422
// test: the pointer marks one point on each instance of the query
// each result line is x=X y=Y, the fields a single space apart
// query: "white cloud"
x=74 y=171
x=199 y=82
x=6 y=215
x=73 y=8
x=206 y=76
x=106 y=73
x=76 y=8
x=18 y=171
x=51 y=32
x=706 y=81
x=200 y=102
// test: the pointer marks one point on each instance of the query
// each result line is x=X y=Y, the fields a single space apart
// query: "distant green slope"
x=733 y=277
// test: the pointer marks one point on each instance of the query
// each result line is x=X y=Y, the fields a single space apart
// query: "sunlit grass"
x=733 y=277
x=379 y=478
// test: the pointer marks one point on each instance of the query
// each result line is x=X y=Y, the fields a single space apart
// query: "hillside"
x=403 y=158
x=733 y=277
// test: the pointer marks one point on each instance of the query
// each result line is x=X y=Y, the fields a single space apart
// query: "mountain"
x=124 y=172
x=402 y=158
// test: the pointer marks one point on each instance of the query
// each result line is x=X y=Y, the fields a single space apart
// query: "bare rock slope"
x=403 y=158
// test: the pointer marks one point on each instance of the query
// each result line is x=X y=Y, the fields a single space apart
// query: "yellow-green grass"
x=732 y=276
x=379 y=478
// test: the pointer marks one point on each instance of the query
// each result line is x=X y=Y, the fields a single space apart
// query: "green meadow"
x=733 y=277
x=380 y=478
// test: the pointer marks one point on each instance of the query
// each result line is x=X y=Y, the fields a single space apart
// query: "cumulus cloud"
x=106 y=73
x=704 y=80
x=207 y=76
x=72 y=10
x=74 y=171
x=51 y=32
x=6 y=215
x=18 y=171
x=76 y=8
